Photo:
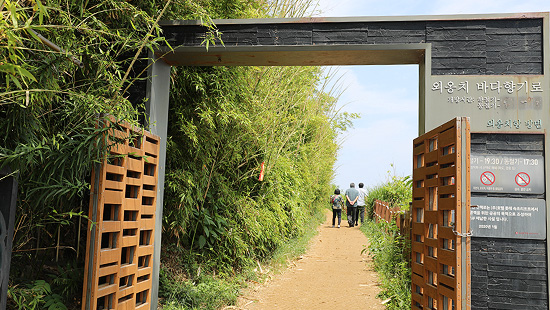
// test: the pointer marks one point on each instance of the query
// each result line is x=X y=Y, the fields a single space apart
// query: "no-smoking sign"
x=507 y=173
x=487 y=178
x=523 y=179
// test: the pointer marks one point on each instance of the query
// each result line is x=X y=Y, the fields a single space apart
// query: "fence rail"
x=402 y=218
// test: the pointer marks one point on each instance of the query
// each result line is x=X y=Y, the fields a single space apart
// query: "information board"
x=494 y=103
x=507 y=173
x=516 y=218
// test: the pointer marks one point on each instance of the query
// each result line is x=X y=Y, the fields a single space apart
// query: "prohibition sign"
x=487 y=178
x=523 y=179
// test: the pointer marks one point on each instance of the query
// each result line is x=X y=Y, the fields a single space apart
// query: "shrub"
x=391 y=251
x=397 y=191
x=205 y=292
x=37 y=295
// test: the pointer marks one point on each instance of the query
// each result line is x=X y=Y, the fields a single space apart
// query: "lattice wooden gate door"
x=441 y=218
x=118 y=271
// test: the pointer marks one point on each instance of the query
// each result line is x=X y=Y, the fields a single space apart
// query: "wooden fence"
x=402 y=218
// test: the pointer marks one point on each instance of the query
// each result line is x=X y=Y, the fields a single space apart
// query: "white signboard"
x=493 y=103
x=508 y=218
x=507 y=173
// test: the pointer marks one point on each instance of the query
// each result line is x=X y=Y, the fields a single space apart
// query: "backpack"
x=336 y=201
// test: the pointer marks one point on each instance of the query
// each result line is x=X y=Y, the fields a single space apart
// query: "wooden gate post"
x=440 y=236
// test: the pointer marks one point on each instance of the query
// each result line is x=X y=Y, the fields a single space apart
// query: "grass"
x=209 y=292
x=390 y=253
x=389 y=250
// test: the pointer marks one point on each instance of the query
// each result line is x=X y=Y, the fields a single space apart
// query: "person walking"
x=337 y=203
x=352 y=194
x=360 y=212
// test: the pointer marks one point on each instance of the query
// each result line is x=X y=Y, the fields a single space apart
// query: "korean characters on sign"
x=507 y=104
x=508 y=218
x=507 y=173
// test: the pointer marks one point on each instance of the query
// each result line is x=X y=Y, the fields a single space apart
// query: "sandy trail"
x=331 y=275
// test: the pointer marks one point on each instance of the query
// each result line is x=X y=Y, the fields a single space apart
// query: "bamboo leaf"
x=12 y=7
x=24 y=72
x=33 y=34
x=42 y=11
x=16 y=82
x=202 y=241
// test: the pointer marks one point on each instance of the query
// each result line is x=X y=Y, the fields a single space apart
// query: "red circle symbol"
x=523 y=179
x=487 y=178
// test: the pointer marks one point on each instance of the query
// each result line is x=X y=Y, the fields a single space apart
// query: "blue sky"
x=387 y=96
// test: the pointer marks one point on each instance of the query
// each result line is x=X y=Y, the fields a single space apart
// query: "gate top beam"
x=488 y=44
x=327 y=55
x=451 y=45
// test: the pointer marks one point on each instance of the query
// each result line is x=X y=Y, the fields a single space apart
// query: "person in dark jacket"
x=352 y=194
x=337 y=203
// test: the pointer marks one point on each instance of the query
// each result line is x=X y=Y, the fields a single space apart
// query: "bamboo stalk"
x=78 y=236
x=58 y=241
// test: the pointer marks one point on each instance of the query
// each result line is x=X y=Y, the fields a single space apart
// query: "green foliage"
x=292 y=8
x=51 y=106
x=68 y=280
x=224 y=123
x=390 y=253
x=205 y=292
x=37 y=295
x=65 y=283
x=189 y=287
x=296 y=246
x=397 y=191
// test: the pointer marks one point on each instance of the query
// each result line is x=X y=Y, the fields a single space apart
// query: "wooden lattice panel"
x=118 y=272
x=439 y=232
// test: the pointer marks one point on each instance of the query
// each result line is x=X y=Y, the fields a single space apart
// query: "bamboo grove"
x=224 y=122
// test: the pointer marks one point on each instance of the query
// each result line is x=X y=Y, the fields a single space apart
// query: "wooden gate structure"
x=441 y=218
x=118 y=270
x=487 y=67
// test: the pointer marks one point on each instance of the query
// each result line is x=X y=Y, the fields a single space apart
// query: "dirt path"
x=331 y=275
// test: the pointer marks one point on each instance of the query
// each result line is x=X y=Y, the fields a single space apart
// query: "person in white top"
x=360 y=204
